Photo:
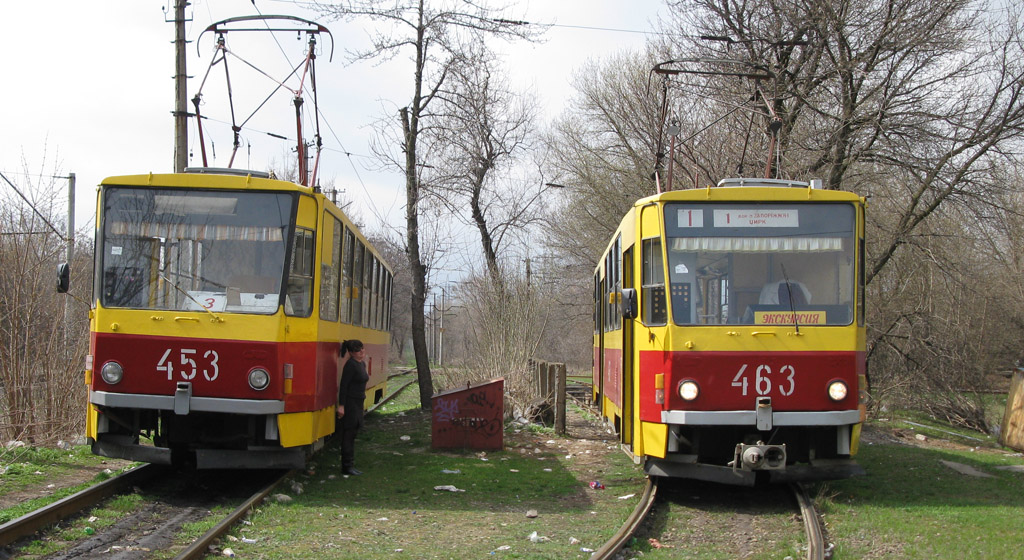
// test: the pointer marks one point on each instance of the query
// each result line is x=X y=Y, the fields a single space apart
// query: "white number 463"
x=763 y=382
x=189 y=366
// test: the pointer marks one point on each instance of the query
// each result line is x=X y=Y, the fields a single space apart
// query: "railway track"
x=171 y=500
x=649 y=498
x=168 y=515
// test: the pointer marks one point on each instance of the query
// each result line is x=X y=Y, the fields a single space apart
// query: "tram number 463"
x=762 y=377
x=190 y=363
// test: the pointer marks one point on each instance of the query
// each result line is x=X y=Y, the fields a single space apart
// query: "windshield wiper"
x=792 y=306
x=194 y=300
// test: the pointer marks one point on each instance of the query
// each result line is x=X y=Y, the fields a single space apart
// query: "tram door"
x=626 y=433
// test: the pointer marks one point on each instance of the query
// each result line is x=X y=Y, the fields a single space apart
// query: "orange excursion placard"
x=789 y=318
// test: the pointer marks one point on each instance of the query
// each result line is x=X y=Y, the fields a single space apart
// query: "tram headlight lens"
x=112 y=373
x=837 y=390
x=259 y=379
x=689 y=390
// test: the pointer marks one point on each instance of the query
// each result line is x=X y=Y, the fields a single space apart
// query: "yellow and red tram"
x=729 y=337
x=221 y=298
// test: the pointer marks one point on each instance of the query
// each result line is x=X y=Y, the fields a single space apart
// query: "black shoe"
x=351 y=471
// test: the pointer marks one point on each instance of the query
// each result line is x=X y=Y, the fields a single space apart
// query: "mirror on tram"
x=628 y=303
x=63 y=278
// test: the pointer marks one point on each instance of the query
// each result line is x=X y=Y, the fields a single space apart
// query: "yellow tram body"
x=711 y=360
x=220 y=303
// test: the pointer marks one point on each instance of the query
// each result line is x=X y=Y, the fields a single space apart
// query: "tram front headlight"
x=112 y=373
x=259 y=379
x=689 y=390
x=837 y=390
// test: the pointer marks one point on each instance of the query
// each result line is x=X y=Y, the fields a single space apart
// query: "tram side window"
x=357 y=284
x=652 y=284
x=300 y=277
x=368 y=264
x=330 y=274
x=346 y=279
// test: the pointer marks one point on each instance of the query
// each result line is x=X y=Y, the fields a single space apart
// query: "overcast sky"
x=87 y=87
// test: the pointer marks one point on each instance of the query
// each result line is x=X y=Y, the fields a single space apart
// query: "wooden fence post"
x=560 y=371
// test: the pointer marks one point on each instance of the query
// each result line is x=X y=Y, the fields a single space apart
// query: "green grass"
x=27 y=467
x=394 y=504
x=912 y=506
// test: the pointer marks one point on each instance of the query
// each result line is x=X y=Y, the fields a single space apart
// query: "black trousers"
x=350 y=424
x=348 y=446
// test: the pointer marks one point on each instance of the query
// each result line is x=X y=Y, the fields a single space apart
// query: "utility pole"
x=180 y=89
x=70 y=255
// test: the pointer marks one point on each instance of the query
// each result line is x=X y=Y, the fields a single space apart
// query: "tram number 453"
x=191 y=364
x=785 y=380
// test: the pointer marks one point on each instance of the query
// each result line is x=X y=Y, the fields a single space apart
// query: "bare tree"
x=929 y=91
x=481 y=133
x=41 y=352
x=431 y=31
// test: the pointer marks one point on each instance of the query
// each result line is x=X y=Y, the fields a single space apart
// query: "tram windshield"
x=191 y=250
x=760 y=264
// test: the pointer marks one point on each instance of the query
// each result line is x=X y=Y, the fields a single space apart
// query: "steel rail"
x=389 y=397
x=812 y=524
x=201 y=546
x=622 y=536
x=35 y=521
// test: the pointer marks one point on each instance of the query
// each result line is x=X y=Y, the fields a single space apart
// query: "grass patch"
x=26 y=468
x=394 y=505
x=911 y=505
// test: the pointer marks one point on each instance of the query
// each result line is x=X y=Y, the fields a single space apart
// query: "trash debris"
x=626 y=497
x=532 y=513
x=596 y=485
x=448 y=488
x=296 y=487
x=513 y=470
x=547 y=470
x=89 y=530
x=451 y=471
x=504 y=547
x=657 y=544
x=382 y=519
x=247 y=540
x=232 y=538
x=534 y=537
x=228 y=552
x=282 y=498
x=574 y=540
x=585 y=549
x=405 y=438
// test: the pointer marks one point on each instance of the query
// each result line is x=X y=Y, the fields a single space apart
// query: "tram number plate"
x=188 y=363
x=763 y=380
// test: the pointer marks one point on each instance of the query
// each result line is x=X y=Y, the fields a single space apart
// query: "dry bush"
x=41 y=353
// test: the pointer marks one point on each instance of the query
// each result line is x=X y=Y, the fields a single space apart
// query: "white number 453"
x=189 y=367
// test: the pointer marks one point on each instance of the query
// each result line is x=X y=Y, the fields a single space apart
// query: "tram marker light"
x=112 y=373
x=259 y=379
x=689 y=390
x=837 y=390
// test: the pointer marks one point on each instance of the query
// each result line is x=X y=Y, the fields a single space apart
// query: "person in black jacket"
x=351 y=394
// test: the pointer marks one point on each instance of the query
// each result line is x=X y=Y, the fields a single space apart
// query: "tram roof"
x=208 y=178
x=800 y=192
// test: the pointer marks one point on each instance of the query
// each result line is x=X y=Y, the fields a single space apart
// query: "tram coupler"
x=759 y=457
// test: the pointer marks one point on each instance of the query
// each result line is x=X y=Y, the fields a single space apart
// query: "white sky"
x=87 y=88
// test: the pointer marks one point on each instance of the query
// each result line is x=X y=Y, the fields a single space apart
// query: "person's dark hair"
x=351 y=346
